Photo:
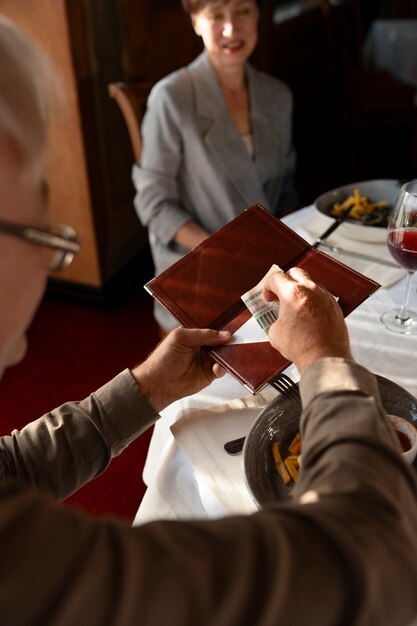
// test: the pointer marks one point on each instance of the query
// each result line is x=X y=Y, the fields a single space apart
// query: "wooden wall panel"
x=158 y=38
x=96 y=50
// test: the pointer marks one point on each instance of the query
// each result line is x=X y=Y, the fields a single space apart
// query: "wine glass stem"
x=403 y=314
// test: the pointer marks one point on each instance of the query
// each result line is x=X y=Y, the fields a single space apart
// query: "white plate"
x=376 y=191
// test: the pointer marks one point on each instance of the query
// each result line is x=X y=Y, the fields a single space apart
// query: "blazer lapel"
x=220 y=135
x=263 y=124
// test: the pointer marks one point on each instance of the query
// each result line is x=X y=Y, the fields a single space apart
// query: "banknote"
x=265 y=313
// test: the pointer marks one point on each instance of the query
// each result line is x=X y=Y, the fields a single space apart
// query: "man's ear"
x=194 y=23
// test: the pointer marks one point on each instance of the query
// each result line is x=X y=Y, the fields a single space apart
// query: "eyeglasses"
x=59 y=242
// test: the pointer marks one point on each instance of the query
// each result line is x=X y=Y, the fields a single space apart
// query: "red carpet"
x=73 y=349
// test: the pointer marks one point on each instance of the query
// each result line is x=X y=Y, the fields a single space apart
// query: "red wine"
x=402 y=245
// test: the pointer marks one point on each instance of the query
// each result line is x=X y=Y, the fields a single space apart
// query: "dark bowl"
x=279 y=421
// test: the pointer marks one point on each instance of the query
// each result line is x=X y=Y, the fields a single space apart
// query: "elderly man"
x=344 y=551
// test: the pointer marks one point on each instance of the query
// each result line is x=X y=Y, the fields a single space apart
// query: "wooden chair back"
x=131 y=98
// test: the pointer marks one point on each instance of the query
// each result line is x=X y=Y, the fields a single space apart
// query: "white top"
x=248 y=141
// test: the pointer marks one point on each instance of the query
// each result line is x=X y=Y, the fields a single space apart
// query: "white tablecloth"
x=178 y=478
x=392 y=45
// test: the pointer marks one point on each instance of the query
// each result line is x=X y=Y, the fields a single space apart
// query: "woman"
x=216 y=139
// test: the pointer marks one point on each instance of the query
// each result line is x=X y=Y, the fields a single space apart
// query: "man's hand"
x=178 y=366
x=310 y=324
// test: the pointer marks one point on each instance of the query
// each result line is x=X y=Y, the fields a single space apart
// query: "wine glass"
x=402 y=244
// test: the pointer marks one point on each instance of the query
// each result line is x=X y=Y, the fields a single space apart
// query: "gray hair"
x=23 y=94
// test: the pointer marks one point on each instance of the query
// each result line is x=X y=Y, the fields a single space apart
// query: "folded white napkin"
x=382 y=274
x=201 y=435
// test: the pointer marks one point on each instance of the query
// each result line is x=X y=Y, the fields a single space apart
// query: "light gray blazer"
x=195 y=165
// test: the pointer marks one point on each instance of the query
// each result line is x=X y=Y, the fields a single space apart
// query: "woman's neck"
x=231 y=79
x=235 y=92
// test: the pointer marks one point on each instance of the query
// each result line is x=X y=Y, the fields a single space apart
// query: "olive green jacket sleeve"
x=64 y=449
x=342 y=552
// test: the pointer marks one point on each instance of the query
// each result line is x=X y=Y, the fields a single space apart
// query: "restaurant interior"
x=352 y=121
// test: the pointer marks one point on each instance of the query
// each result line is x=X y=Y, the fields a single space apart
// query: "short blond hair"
x=23 y=99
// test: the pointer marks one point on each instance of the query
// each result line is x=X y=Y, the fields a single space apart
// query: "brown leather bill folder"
x=204 y=288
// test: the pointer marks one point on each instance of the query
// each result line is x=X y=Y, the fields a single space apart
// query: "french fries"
x=295 y=445
x=289 y=467
x=279 y=463
x=291 y=463
x=360 y=204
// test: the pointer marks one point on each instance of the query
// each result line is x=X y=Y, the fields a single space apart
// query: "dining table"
x=188 y=473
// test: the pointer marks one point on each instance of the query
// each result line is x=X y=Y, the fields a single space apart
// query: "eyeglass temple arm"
x=50 y=240
x=37 y=236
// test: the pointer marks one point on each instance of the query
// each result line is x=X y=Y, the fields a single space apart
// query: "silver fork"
x=287 y=388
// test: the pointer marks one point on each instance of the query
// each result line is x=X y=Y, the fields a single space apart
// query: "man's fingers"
x=280 y=282
x=300 y=276
x=218 y=370
x=196 y=337
x=275 y=283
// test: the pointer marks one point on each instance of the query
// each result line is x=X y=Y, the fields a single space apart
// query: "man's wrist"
x=147 y=387
x=308 y=358
x=331 y=374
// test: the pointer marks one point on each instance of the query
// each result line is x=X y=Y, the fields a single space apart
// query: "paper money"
x=265 y=313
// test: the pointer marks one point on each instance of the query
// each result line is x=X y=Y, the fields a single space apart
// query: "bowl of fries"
x=369 y=204
x=272 y=454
